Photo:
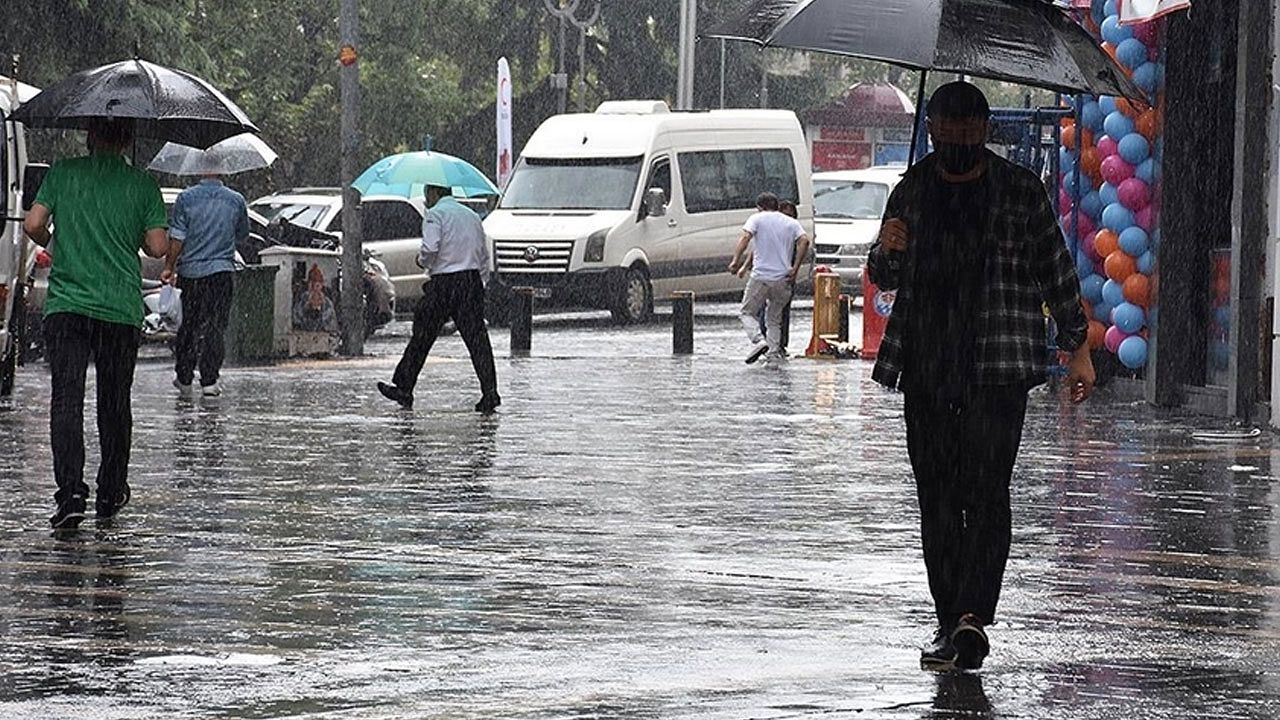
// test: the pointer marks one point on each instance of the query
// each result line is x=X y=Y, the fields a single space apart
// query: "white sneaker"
x=214 y=390
x=183 y=390
x=776 y=357
x=757 y=352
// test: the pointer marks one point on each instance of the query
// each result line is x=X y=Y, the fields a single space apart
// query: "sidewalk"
x=634 y=535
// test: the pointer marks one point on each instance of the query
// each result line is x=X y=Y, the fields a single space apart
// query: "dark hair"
x=441 y=190
x=786 y=207
x=958 y=101
x=114 y=133
x=767 y=201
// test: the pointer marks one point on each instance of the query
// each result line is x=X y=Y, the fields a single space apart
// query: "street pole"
x=688 y=39
x=722 y=56
x=351 y=301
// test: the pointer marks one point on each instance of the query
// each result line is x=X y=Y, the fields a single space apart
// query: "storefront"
x=869 y=125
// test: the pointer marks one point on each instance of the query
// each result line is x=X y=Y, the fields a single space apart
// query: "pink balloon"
x=1064 y=199
x=1115 y=170
x=1085 y=229
x=1134 y=194
x=1107 y=147
x=1148 y=33
x=1153 y=54
x=1146 y=218
x=1090 y=251
x=1113 y=338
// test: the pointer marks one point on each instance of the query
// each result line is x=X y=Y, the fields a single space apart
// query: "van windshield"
x=577 y=184
x=843 y=199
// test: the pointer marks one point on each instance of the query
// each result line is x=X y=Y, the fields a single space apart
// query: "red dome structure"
x=870 y=124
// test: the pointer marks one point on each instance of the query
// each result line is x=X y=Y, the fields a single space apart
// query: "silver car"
x=847 y=209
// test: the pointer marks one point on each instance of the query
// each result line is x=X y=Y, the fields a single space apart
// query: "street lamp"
x=567 y=12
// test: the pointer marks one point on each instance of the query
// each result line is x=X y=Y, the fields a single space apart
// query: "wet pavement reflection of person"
x=959 y=694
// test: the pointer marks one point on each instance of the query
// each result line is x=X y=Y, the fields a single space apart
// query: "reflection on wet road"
x=634 y=535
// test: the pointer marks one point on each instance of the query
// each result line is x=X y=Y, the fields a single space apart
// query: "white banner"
x=1140 y=11
x=504 y=123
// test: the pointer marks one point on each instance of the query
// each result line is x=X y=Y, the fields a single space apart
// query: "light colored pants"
x=773 y=295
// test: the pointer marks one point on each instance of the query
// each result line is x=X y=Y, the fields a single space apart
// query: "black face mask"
x=958 y=159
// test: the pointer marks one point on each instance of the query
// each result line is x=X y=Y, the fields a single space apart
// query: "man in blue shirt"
x=208 y=220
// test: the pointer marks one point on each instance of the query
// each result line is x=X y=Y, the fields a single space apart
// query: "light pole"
x=351 y=300
x=688 y=40
x=566 y=11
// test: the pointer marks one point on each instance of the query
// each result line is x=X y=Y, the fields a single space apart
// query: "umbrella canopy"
x=1023 y=41
x=407 y=174
x=164 y=104
x=238 y=154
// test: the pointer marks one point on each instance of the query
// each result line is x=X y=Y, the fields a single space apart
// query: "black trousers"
x=962 y=455
x=206 y=306
x=70 y=341
x=452 y=296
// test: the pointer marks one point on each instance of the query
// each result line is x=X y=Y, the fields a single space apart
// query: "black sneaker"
x=69 y=514
x=939 y=655
x=488 y=404
x=757 y=352
x=110 y=509
x=970 y=642
x=391 y=392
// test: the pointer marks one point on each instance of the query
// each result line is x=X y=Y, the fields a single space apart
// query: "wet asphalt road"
x=633 y=536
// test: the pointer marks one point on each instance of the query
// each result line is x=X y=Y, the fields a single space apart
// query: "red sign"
x=829 y=155
x=834 y=132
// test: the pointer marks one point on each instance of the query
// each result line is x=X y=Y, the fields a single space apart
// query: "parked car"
x=616 y=208
x=847 y=209
x=392 y=228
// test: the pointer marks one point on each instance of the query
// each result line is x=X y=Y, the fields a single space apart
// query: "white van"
x=614 y=208
x=16 y=255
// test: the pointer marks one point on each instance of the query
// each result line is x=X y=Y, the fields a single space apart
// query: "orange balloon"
x=1097 y=334
x=1106 y=243
x=1111 y=50
x=1067 y=122
x=1088 y=138
x=1088 y=307
x=1148 y=123
x=1137 y=289
x=1091 y=162
x=1126 y=107
x=1119 y=265
x=1069 y=137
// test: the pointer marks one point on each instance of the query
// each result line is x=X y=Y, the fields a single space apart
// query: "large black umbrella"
x=164 y=104
x=1029 y=42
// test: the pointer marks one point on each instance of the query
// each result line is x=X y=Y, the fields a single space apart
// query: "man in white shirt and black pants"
x=780 y=248
x=455 y=256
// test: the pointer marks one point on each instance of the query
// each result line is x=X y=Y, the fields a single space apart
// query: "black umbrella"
x=164 y=104
x=1023 y=41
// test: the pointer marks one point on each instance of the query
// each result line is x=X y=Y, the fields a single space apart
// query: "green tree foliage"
x=427 y=66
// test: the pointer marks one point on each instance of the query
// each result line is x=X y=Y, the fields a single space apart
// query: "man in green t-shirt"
x=104 y=211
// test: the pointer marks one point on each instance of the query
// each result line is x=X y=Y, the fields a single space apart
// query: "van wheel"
x=633 y=298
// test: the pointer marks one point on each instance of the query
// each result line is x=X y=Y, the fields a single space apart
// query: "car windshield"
x=304 y=214
x=850 y=200
x=579 y=184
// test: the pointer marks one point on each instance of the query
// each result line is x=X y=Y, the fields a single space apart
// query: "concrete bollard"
x=522 y=321
x=682 y=322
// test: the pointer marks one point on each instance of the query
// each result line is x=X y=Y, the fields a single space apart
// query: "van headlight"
x=594 y=251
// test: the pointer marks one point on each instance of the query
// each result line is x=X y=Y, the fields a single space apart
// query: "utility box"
x=305 y=321
x=249 y=329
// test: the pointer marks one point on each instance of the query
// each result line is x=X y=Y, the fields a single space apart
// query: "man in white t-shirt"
x=780 y=246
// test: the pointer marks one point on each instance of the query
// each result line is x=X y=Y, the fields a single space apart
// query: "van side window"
x=731 y=179
x=660 y=177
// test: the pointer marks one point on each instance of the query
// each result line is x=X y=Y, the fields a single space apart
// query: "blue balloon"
x=1091 y=204
x=1067 y=162
x=1091 y=115
x=1102 y=312
x=1112 y=292
x=1222 y=316
x=1107 y=104
x=1134 y=148
x=1128 y=317
x=1147 y=263
x=1118 y=125
x=1111 y=8
x=1098 y=11
x=1113 y=32
x=1091 y=287
x=1109 y=195
x=1146 y=171
x=1084 y=269
x=1134 y=241
x=1155 y=239
x=1073 y=183
x=1132 y=352
x=1147 y=76
x=1131 y=53
x=1118 y=218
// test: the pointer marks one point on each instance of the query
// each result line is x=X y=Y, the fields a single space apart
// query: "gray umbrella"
x=1023 y=41
x=234 y=155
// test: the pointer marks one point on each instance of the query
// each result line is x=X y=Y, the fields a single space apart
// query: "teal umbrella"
x=406 y=174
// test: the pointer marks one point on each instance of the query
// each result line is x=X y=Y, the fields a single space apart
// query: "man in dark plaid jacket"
x=972 y=245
